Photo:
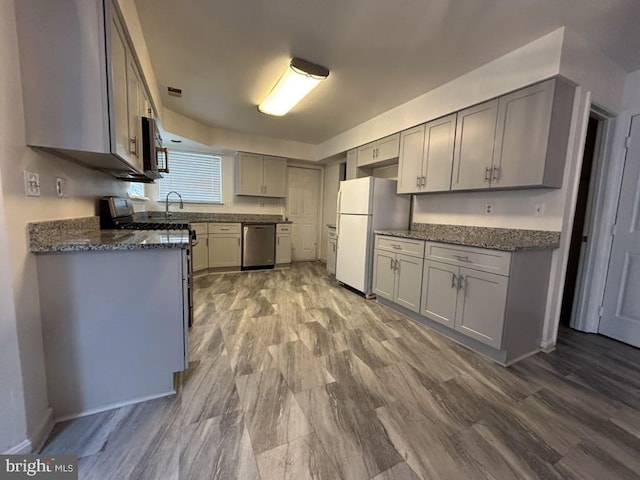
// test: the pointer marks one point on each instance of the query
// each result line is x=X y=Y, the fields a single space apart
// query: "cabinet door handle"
x=460 y=282
x=487 y=174
x=133 y=146
x=224 y=229
x=453 y=280
x=496 y=173
x=278 y=241
x=391 y=264
x=396 y=246
x=417 y=180
x=424 y=181
x=462 y=258
x=238 y=241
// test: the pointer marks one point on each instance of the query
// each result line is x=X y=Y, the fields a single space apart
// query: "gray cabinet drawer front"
x=284 y=228
x=492 y=261
x=400 y=245
x=224 y=228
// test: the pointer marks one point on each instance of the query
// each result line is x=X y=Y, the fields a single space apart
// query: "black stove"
x=117 y=213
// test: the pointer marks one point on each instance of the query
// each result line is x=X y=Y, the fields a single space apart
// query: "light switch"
x=31 y=184
x=59 y=187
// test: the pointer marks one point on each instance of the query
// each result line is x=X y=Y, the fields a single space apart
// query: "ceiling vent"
x=174 y=92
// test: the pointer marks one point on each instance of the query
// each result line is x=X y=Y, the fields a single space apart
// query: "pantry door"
x=621 y=308
x=303 y=208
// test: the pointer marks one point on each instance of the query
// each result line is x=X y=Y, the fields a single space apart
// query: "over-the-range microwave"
x=152 y=150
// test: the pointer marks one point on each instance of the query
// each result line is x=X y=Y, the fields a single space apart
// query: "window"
x=195 y=176
x=136 y=190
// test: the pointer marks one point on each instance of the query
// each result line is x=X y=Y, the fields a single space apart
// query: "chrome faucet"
x=167 y=203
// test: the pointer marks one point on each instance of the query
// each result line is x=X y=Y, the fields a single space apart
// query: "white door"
x=621 y=308
x=351 y=261
x=354 y=196
x=302 y=209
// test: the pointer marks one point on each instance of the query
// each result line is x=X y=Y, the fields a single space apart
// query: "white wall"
x=531 y=63
x=232 y=203
x=227 y=140
x=329 y=201
x=82 y=187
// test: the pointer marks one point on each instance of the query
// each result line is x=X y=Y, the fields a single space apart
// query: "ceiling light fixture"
x=296 y=82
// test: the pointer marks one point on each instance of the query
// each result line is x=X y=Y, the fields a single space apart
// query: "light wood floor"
x=294 y=377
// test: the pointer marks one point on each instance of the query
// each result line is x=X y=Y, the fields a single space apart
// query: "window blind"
x=195 y=176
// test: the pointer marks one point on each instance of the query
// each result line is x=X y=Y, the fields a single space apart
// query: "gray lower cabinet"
x=200 y=251
x=283 y=244
x=469 y=301
x=332 y=245
x=398 y=277
x=482 y=299
x=493 y=297
x=225 y=242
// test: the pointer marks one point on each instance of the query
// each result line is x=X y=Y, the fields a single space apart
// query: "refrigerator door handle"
x=338 y=213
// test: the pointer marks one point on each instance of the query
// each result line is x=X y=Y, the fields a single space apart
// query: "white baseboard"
x=35 y=441
x=548 y=347
x=22 y=448
x=93 y=411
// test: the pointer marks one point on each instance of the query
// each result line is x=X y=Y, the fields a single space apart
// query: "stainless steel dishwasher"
x=258 y=245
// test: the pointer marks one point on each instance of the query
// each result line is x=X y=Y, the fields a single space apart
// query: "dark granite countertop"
x=199 y=217
x=84 y=235
x=506 y=239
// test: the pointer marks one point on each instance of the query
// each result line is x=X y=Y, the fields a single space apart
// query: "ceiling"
x=227 y=54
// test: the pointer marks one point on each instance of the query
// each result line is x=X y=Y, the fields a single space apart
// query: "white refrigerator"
x=365 y=205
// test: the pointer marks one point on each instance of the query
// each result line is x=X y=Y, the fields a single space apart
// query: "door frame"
x=320 y=168
x=611 y=153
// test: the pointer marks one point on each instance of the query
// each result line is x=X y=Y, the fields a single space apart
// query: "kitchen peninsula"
x=114 y=313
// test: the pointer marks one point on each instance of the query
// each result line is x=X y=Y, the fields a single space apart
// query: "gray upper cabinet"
x=426 y=156
x=275 y=176
x=410 y=163
x=261 y=175
x=380 y=151
x=91 y=115
x=475 y=134
x=516 y=141
x=352 y=164
x=531 y=136
x=439 y=139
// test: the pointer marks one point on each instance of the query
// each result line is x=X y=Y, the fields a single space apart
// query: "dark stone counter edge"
x=105 y=247
x=489 y=245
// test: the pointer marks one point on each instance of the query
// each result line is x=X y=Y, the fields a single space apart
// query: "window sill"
x=139 y=198
x=192 y=202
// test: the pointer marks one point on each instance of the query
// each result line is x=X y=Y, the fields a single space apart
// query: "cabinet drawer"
x=200 y=228
x=400 y=245
x=224 y=228
x=332 y=233
x=493 y=261
x=284 y=228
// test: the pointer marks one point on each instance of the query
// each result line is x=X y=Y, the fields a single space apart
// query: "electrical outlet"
x=59 y=187
x=31 y=184
x=488 y=208
x=538 y=210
